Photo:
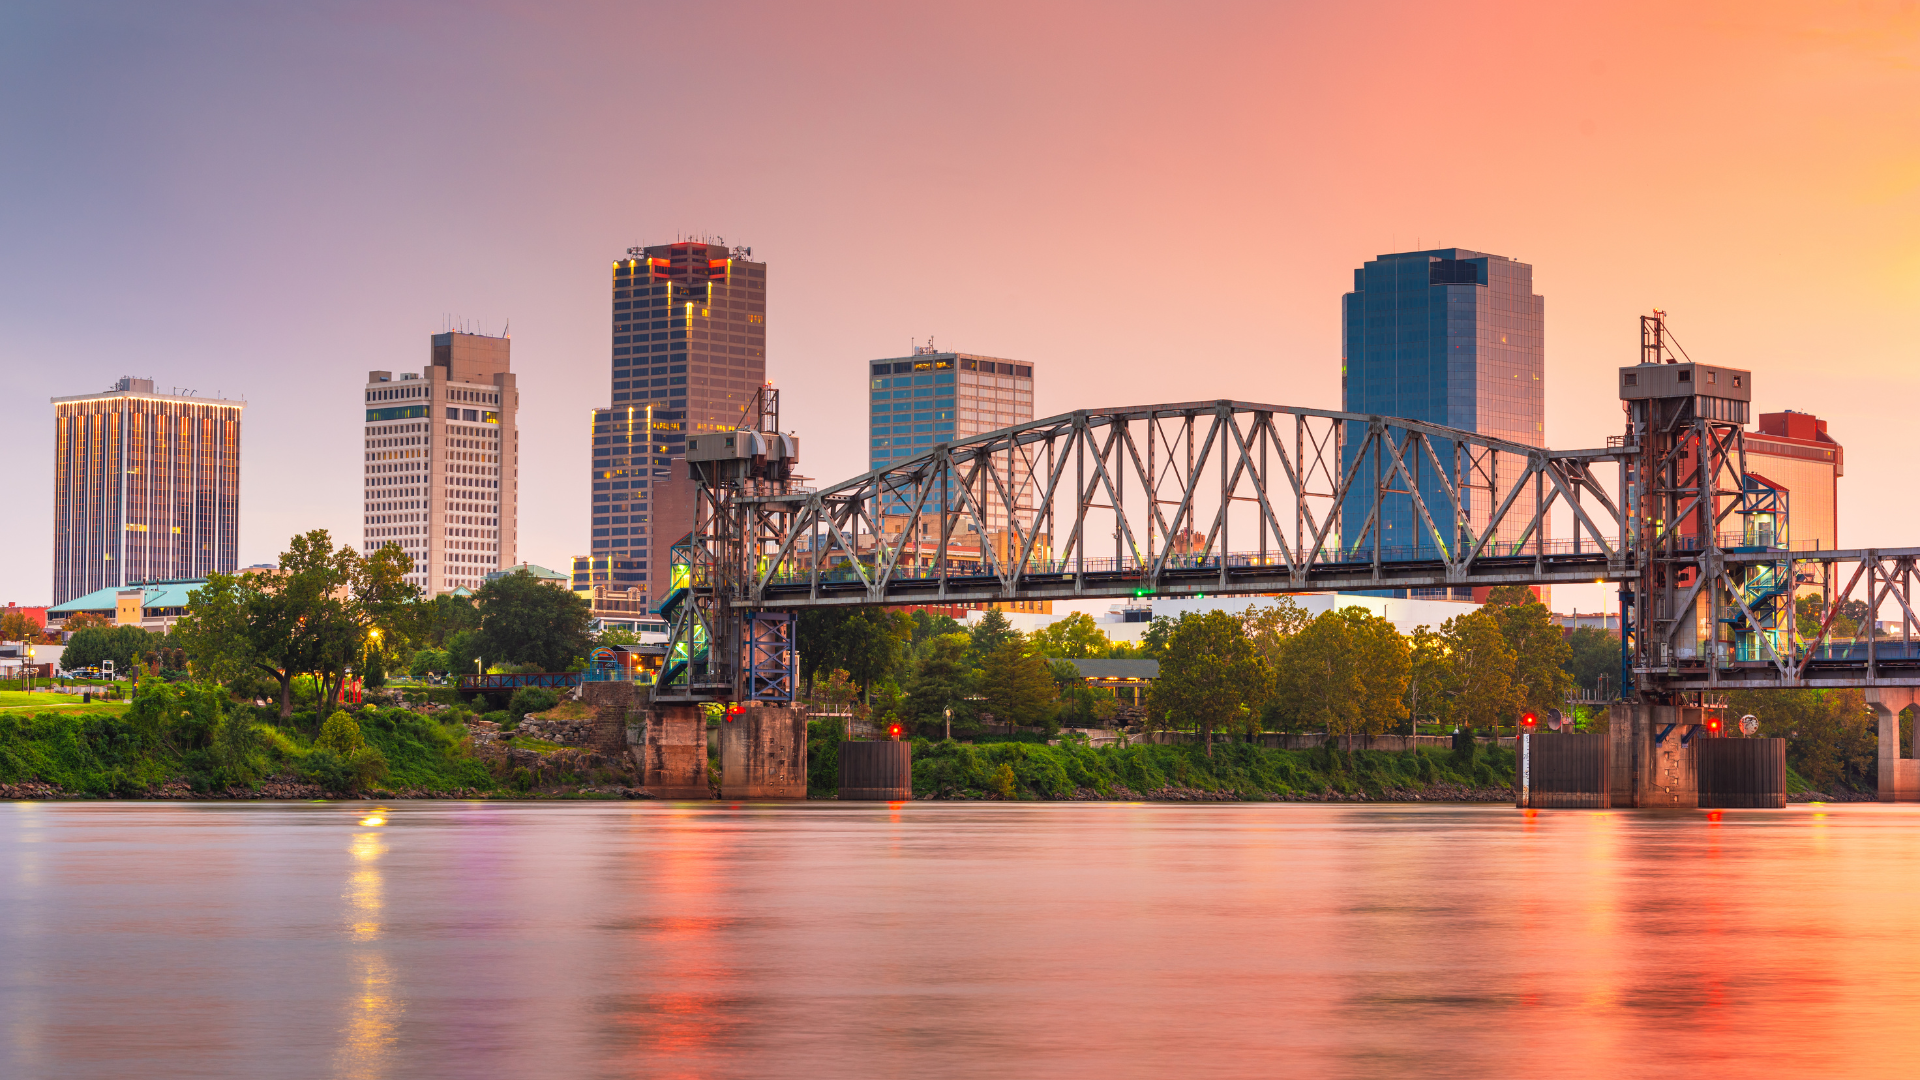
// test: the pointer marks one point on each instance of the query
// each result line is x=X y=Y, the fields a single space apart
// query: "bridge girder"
x=1014 y=514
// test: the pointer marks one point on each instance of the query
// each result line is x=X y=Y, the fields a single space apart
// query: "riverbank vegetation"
x=195 y=735
x=1271 y=668
x=1071 y=769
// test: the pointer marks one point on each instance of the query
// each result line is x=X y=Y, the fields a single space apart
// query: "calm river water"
x=997 y=940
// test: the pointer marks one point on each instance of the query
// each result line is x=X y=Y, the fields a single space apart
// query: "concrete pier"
x=615 y=705
x=1649 y=770
x=1899 y=776
x=763 y=754
x=673 y=756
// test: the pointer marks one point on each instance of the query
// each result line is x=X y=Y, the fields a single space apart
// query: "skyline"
x=291 y=191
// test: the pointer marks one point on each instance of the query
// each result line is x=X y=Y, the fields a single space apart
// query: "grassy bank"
x=1022 y=770
x=207 y=745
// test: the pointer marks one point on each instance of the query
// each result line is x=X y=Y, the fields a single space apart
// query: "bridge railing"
x=912 y=567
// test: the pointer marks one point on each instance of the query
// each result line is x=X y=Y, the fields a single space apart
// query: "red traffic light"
x=1528 y=720
x=734 y=710
x=894 y=730
x=1713 y=724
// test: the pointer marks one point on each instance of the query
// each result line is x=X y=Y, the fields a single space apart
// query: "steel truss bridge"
x=1225 y=497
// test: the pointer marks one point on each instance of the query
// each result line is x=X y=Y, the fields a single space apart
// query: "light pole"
x=948 y=711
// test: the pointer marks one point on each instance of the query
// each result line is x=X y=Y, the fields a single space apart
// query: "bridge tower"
x=718 y=651
x=1687 y=612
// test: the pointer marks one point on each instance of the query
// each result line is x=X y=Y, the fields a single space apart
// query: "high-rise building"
x=1452 y=337
x=1793 y=451
x=442 y=462
x=914 y=402
x=689 y=355
x=146 y=487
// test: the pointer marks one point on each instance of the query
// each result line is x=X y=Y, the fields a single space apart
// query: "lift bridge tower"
x=723 y=658
x=718 y=651
x=1689 y=614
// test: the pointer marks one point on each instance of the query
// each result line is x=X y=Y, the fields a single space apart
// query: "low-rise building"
x=154 y=605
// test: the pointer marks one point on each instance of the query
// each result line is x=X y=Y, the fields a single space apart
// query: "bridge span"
x=1221 y=497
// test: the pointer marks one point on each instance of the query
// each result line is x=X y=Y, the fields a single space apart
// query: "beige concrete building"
x=1792 y=450
x=442 y=462
x=146 y=487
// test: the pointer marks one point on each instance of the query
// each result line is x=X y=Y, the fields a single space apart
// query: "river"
x=963 y=940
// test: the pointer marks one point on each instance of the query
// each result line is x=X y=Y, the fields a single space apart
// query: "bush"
x=532 y=699
x=823 y=757
x=369 y=767
x=506 y=720
x=341 y=735
x=1002 y=782
x=328 y=769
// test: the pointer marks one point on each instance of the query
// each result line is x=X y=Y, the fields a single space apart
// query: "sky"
x=1151 y=201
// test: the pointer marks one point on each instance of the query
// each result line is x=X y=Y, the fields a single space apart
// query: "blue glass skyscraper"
x=1447 y=336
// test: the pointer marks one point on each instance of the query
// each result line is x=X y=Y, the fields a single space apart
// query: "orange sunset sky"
x=1153 y=201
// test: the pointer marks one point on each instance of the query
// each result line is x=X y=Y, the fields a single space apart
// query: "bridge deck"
x=927 y=586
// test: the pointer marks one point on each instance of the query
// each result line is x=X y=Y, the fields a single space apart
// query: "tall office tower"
x=933 y=397
x=689 y=353
x=146 y=487
x=1452 y=337
x=442 y=462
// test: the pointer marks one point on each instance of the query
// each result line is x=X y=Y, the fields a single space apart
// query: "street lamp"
x=948 y=711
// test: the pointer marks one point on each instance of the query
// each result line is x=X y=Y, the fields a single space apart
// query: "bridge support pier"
x=1899 y=776
x=763 y=754
x=614 y=704
x=673 y=759
x=1653 y=758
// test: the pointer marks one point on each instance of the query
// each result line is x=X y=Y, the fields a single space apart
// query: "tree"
x=429 y=660
x=1831 y=736
x=1540 y=650
x=1346 y=672
x=85 y=620
x=1269 y=628
x=15 y=626
x=1017 y=686
x=1209 y=675
x=1076 y=637
x=447 y=615
x=928 y=625
x=1811 y=609
x=1429 y=678
x=870 y=643
x=1153 y=644
x=1482 y=677
x=942 y=679
x=525 y=621
x=992 y=631
x=817 y=635
x=314 y=615
x=1593 y=658
x=92 y=646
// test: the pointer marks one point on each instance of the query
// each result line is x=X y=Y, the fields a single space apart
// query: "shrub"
x=532 y=699
x=340 y=734
x=369 y=767
x=1002 y=782
x=328 y=769
x=507 y=721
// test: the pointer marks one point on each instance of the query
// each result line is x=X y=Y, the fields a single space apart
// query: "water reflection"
x=372 y=1012
x=953 y=940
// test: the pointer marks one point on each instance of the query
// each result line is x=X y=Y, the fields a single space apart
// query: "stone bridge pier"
x=1899 y=776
